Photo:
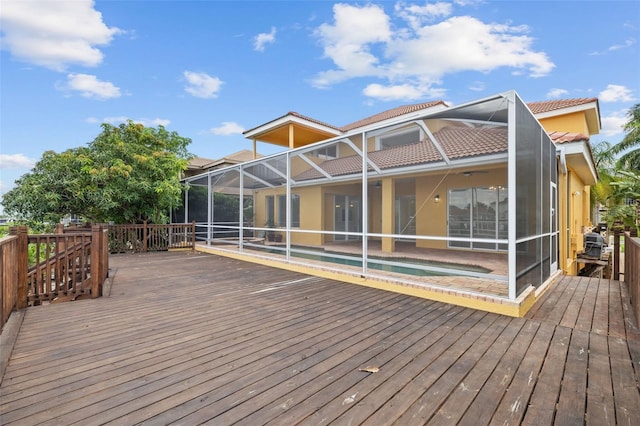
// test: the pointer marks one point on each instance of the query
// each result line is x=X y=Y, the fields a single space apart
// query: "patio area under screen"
x=458 y=200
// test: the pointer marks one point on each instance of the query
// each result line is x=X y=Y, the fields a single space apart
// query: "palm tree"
x=629 y=146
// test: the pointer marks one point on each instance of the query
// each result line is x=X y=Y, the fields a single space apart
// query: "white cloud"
x=613 y=123
x=401 y=92
x=349 y=40
x=616 y=93
x=557 y=93
x=147 y=122
x=362 y=42
x=227 y=128
x=262 y=39
x=477 y=86
x=90 y=87
x=202 y=85
x=416 y=16
x=624 y=45
x=55 y=34
x=16 y=161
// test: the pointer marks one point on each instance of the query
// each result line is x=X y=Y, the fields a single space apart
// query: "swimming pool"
x=407 y=266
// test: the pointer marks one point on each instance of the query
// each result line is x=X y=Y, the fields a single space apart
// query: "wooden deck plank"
x=191 y=338
x=625 y=385
x=376 y=407
x=227 y=402
x=189 y=381
x=515 y=401
x=561 y=302
x=616 y=315
x=584 y=320
x=545 y=307
x=459 y=399
x=483 y=406
x=326 y=405
x=342 y=377
x=543 y=402
x=427 y=405
x=601 y=310
x=573 y=395
x=184 y=354
x=600 y=407
x=575 y=304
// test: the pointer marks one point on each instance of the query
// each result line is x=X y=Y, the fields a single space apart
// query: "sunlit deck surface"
x=195 y=338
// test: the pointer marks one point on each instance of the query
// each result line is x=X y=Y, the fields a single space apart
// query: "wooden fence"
x=141 y=238
x=62 y=267
x=632 y=271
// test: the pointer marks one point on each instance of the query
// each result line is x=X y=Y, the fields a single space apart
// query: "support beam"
x=388 y=200
x=291 y=137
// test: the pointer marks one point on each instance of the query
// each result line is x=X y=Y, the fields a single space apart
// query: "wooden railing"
x=141 y=238
x=13 y=283
x=632 y=271
x=62 y=267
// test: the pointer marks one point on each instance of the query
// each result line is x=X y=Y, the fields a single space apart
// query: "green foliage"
x=619 y=178
x=128 y=174
x=629 y=146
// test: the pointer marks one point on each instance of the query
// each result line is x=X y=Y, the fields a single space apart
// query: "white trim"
x=511 y=189
x=567 y=110
x=286 y=120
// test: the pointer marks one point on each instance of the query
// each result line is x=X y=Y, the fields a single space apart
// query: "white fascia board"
x=286 y=120
x=581 y=148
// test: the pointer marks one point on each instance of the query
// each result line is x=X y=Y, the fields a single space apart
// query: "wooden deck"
x=194 y=338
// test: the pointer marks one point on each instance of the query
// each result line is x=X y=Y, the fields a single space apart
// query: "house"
x=199 y=165
x=473 y=204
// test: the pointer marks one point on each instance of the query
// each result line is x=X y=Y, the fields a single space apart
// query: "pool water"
x=341 y=259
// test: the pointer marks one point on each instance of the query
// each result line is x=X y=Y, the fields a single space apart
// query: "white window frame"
x=397 y=133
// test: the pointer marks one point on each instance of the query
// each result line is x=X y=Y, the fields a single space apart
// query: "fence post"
x=144 y=237
x=616 y=254
x=96 y=261
x=22 y=264
x=193 y=236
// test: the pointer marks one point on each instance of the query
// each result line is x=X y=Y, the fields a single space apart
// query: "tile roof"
x=391 y=113
x=546 y=106
x=457 y=142
x=564 y=137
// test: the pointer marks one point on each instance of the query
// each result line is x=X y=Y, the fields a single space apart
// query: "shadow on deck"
x=190 y=338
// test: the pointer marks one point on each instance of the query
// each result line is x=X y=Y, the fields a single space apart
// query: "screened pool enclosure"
x=460 y=198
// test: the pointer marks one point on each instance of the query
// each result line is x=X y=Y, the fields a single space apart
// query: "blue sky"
x=211 y=69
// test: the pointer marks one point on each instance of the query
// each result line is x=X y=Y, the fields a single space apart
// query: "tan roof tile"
x=546 y=106
x=457 y=142
x=564 y=137
x=391 y=113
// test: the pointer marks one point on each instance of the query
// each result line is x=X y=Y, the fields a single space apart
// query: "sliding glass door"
x=478 y=213
x=347 y=216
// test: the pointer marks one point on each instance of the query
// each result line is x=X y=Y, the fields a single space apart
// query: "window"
x=295 y=211
x=327 y=153
x=269 y=211
x=478 y=213
x=399 y=138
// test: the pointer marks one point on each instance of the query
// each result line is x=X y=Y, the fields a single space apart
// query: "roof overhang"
x=306 y=132
x=591 y=111
x=580 y=160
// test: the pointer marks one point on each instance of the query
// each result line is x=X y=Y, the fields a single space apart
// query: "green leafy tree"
x=605 y=161
x=128 y=174
x=629 y=146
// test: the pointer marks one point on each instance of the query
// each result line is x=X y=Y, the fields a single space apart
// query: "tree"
x=128 y=174
x=629 y=146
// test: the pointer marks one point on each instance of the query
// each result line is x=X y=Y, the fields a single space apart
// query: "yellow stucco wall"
x=575 y=122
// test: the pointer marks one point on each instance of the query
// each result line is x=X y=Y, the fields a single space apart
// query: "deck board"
x=191 y=338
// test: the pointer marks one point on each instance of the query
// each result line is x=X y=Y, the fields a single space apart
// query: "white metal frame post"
x=512 y=190
x=365 y=205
